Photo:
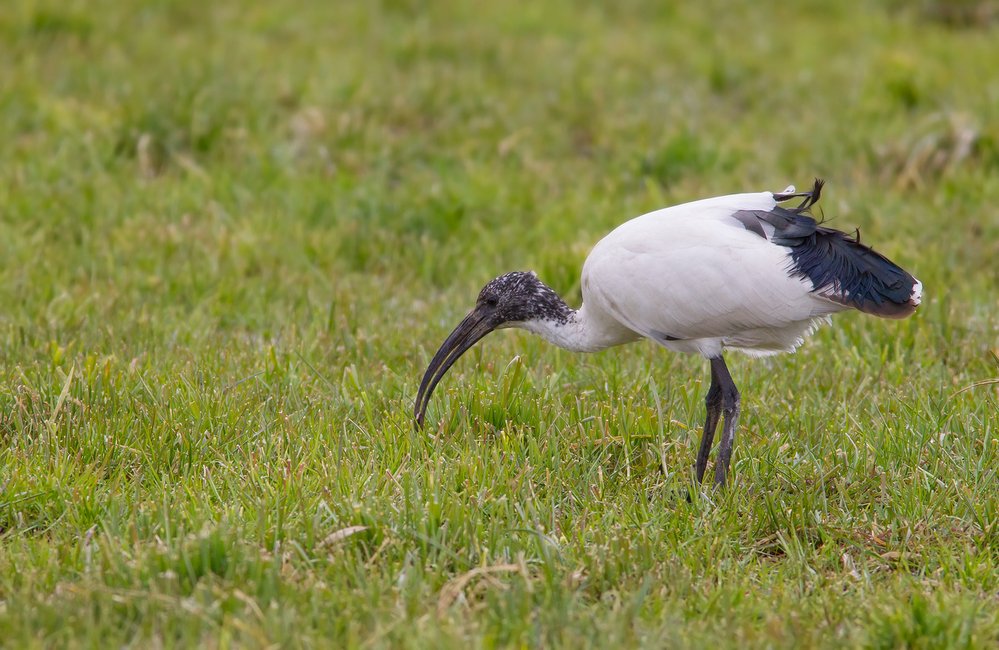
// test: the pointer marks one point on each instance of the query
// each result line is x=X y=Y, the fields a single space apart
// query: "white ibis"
x=733 y=272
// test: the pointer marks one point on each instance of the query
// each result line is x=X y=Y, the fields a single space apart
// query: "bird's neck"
x=580 y=330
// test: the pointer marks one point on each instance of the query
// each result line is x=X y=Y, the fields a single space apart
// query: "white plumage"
x=694 y=273
x=732 y=272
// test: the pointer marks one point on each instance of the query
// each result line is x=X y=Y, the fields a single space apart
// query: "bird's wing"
x=839 y=267
x=696 y=271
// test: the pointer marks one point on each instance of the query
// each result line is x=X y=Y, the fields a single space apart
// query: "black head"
x=509 y=300
x=519 y=297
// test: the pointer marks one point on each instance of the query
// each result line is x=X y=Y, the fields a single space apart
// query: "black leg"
x=712 y=404
x=730 y=407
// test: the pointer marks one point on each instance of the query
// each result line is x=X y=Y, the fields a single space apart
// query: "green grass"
x=232 y=236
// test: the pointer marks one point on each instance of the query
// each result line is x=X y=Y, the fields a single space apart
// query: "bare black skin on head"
x=509 y=299
x=520 y=296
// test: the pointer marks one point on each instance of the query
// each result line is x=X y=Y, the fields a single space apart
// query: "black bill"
x=469 y=331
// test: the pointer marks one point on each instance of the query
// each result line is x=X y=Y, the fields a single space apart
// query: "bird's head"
x=516 y=299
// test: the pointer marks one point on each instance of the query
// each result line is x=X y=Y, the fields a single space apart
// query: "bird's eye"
x=491 y=301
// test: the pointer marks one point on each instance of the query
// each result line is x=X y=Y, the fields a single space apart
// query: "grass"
x=232 y=236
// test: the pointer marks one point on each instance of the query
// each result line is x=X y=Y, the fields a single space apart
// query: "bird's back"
x=737 y=271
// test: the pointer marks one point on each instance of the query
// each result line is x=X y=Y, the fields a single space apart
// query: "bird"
x=740 y=272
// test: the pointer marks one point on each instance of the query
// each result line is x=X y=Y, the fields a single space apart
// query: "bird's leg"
x=712 y=404
x=730 y=407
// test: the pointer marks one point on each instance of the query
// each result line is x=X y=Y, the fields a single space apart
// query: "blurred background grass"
x=233 y=233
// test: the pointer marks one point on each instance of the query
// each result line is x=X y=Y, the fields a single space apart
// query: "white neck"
x=583 y=331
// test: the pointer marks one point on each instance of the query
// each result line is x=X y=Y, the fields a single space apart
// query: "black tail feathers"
x=853 y=274
x=839 y=267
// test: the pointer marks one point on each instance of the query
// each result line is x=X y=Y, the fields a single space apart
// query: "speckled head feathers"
x=520 y=296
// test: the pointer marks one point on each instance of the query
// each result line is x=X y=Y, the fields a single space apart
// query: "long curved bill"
x=469 y=331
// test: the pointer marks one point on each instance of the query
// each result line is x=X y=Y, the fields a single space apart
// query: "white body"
x=692 y=272
x=698 y=277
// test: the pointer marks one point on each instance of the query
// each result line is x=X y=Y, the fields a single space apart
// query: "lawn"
x=232 y=235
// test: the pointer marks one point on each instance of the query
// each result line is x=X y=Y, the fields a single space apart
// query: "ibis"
x=740 y=272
